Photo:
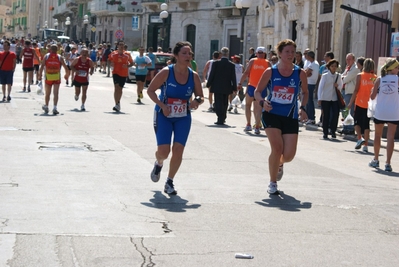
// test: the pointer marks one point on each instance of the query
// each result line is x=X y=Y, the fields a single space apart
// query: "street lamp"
x=243 y=6
x=45 y=26
x=55 y=23
x=164 y=16
x=67 y=23
x=85 y=22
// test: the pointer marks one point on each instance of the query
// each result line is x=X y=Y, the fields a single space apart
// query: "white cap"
x=261 y=49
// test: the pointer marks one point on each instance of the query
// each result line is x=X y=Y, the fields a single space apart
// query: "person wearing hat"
x=239 y=70
x=159 y=50
x=222 y=82
x=386 y=110
x=255 y=69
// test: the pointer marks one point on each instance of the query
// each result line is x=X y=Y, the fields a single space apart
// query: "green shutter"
x=80 y=11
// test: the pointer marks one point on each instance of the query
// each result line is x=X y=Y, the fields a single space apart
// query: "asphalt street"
x=75 y=190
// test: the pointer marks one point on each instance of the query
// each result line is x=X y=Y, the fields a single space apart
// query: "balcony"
x=72 y=5
x=152 y=4
x=186 y=4
x=103 y=9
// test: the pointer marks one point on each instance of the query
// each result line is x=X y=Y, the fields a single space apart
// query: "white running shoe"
x=117 y=107
x=272 y=189
x=170 y=188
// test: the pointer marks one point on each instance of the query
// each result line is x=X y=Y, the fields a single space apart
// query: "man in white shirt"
x=312 y=72
x=349 y=79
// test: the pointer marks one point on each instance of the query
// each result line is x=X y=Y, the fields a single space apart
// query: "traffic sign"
x=119 y=34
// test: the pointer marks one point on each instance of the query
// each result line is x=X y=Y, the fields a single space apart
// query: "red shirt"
x=28 y=58
x=82 y=70
x=8 y=64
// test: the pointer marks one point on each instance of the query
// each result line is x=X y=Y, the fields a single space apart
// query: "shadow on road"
x=173 y=203
x=284 y=202
x=383 y=172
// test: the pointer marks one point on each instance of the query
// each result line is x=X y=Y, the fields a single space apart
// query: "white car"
x=132 y=70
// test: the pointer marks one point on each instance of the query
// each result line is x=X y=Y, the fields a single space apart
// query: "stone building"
x=323 y=26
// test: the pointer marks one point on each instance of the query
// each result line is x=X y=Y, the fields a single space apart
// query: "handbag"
x=341 y=101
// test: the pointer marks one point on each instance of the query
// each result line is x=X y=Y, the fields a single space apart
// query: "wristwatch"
x=303 y=108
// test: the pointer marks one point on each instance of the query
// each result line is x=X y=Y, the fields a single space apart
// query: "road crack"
x=145 y=253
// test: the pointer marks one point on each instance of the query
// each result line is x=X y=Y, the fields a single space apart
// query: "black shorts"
x=78 y=84
x=361 y=118
x=286 y=125
x=27 y=69
x=140 y=78
x=377 y=121
x=119 y=80
x=36 y=67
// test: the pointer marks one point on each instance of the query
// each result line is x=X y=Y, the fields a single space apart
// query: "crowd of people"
x=281 y=91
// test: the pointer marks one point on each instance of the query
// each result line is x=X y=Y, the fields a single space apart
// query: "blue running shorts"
x=164 y=127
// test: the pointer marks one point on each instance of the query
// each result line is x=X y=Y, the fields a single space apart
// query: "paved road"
x=75 y=191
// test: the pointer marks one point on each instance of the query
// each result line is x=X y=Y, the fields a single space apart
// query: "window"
x=191 y=32
x=374 y=2
x=326 y=6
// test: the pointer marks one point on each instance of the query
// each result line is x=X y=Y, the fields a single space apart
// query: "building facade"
x=321 y=25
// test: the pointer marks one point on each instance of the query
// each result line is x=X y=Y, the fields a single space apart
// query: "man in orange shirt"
x=36 y=61
x=255 y=69
x=120 y=62
x=8 y=61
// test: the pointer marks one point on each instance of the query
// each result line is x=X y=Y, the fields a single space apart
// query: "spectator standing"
x=386 y=110
x=349 y=79
x=205 y=75
x=327 y=98
x=298 y=59
x=222 y=82
x=312 y=72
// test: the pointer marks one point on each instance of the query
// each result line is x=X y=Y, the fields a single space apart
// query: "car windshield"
x=162 y=59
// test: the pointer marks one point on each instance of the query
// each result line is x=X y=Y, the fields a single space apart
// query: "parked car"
x=162 y=59
x=132 y=70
